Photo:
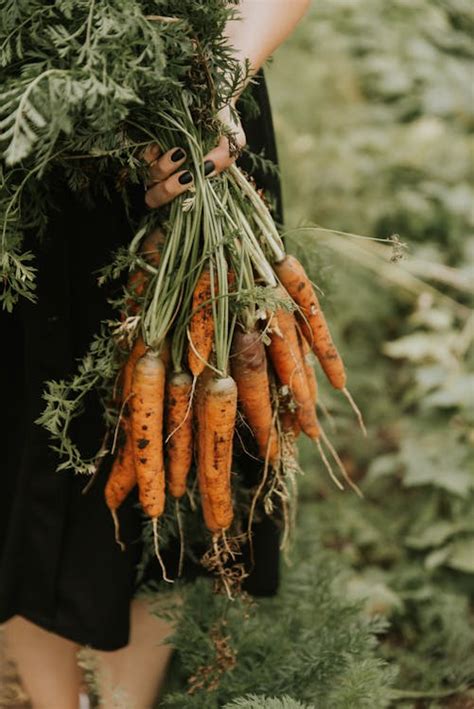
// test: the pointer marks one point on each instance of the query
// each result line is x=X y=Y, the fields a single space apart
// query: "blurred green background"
x=373 y=108
x=374 y=114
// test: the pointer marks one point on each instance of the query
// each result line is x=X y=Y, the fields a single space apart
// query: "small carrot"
x=139 y=279
x=152 y=246
x=148 y=386
x=286 y=358
x=165 y=352
x=311 y=319
x=311 y=379
x=121 y=481
x=309 y=369
x=249 y=369
x=200 y=425
x=122 y=478
x=216 y=412
x=179 y=428
x=138 y=349
x=201 y=326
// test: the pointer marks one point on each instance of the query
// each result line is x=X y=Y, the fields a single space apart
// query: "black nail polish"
x=209 y=167
x=177 y=155
x=185 y=178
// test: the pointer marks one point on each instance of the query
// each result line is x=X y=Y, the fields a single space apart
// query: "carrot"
x=249 y=369
x=148 y=386
x=202 y=382
x=309 y=370
x=311 y=379
x=179 y=428
x=152 y=246
x=138 y=349
x=201 y=327
x=289 y=422
x=138 y=280
x=122 y=478
x=311 y=319
x=287 y=361
x=165 y=352
x=216 y=410
x=137 y=284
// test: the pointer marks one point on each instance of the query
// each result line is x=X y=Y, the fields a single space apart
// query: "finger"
x=151 y=153
x=163 y=192
x=219 y=158
x=164 y=166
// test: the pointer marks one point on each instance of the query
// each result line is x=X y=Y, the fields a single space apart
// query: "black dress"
x=59 y=564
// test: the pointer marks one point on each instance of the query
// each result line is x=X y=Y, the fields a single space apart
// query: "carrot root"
x=117 y=529
x=154 y=523
x=327 y=465
x=356 y=410
x=341 y=466
x=179 y=522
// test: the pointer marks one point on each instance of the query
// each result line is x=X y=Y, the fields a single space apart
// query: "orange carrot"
x=179 y=428
x=216 y=412
x=122 y=478
x=249 y=369
x=137 y=284
x=138 y=280
x=311 y=379
x=148 y=386
x=201 y=327
x=311 y=319
x=289 y=421
x=198 y=410
x=138 y=349
x=286 y=358
x=165 y=352
x=305 y=350
x=152 y=246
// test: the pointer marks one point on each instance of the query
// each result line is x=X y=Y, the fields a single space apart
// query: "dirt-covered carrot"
x=311 y=379
x=152 y=246
x=148 y=386
x=138 y=349
x=311 y=319
x=199 y=440
x=287 y=361
x=179 y=430
x=249 y=369
x=289 y=422
x=122 y=478
x=308 y=368
x=139 y=278
x=201 y=326
x=216 y=412
x=137 y=284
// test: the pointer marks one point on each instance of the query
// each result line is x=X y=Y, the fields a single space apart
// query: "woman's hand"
x=261 y=28
x=165 y=179
x=224 y=154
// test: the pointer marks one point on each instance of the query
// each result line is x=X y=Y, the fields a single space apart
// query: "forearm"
x=262 y=27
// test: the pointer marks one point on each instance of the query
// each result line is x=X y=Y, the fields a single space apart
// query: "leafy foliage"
x=85 y=86
x=308 y=643
x=380 y=144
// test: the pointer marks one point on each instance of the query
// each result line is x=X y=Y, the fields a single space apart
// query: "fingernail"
x=177 y=155
x=185 y=178
x=209 y=167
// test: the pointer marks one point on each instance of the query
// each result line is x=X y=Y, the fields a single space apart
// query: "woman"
x=63 y=581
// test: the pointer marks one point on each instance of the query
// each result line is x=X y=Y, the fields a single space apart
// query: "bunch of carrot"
x=203 y=355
